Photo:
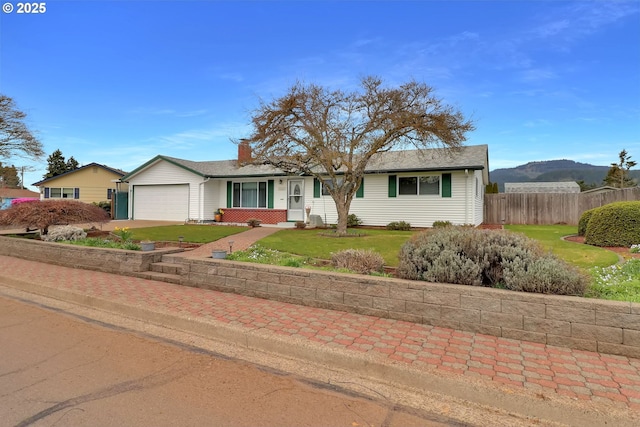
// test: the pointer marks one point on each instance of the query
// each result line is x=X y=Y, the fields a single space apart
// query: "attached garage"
x=161 y=202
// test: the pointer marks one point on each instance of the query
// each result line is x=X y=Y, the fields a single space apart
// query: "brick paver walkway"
x=578 y=374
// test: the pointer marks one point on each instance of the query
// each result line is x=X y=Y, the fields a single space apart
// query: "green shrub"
x=547 y=275
x=358 y=260
x=353 y=220
x=584 y=220
x=399 y=225
x=471 y=256
x=615 y=224
x=439 y=224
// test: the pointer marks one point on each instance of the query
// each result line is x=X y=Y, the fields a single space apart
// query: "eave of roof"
x=467 y=157
x=107 y=168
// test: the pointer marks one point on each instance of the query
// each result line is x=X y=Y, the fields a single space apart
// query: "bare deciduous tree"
x=45 y=213
x=332 y=135
x=15 y=137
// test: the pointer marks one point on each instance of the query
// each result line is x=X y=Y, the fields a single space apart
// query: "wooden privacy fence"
x=548 y=208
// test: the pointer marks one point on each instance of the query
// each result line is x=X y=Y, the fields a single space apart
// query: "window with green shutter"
x=360 y=191
x=392 y=186
x=446 y=185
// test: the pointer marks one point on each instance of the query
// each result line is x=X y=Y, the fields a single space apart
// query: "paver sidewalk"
x=580 y=375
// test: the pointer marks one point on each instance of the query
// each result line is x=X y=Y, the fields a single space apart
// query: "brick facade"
x=268 y=216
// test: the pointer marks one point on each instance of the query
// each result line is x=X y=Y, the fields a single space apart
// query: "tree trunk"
x=343 y=203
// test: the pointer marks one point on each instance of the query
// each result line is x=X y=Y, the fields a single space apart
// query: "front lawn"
x=580 y=255
x=192 y=233
x=315 y=244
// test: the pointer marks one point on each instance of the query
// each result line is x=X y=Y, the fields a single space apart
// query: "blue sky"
x=118 y=82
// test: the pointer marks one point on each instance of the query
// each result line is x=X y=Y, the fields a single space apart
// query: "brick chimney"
x=244 y=152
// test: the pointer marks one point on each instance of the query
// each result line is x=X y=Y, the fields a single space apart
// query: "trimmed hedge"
x=615 y=224
x=584 y=221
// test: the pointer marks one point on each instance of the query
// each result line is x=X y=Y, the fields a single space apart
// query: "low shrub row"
x=499 y=259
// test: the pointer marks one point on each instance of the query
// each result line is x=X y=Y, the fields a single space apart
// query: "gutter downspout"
x=201 y=200
x=466 y=196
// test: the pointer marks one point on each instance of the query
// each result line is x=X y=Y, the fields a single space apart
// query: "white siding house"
x=418 y=187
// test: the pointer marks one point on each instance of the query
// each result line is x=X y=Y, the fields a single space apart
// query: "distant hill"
x=553 y=170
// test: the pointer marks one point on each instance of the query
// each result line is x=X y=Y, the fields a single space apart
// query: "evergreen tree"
x=72 y=164
x=618 y=174
x=9 y=177
x=57 y=164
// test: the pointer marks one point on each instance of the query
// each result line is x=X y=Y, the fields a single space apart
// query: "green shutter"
x=360 y=191
x=270 y=194
x=446 y=185
x=392 y=186
x=229 y=194
x=316 y=188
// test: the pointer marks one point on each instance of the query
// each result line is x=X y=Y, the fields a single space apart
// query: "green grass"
x=580 y=255
x=619 y=282
x=191 y=233
x=315 y=244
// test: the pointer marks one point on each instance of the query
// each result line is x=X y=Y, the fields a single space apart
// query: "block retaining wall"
x=117 y=261
x=595 y=325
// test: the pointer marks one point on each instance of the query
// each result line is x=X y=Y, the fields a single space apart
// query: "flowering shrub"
x=23 y=200
x=635 y=249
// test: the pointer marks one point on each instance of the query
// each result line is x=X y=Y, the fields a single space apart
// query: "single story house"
x=416 y=186
x=92 y=183
x=9 y=194
x=542 y=187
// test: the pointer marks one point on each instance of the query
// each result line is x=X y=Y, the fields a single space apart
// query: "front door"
x=295 y=200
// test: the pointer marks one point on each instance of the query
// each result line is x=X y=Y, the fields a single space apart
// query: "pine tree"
x=57 y=164
x=618 y=174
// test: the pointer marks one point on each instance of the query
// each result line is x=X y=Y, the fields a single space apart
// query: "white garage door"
x=161 y=202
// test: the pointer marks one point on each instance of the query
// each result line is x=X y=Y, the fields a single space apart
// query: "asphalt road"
x=61 y=369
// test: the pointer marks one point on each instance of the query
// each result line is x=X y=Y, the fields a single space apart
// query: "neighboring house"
x=418 y=187
x=9 y=194
x=92 y=183
x=542 y=187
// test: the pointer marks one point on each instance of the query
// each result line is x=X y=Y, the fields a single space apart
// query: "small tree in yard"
x=618 y=174
x=43 y=214
x=332 y=135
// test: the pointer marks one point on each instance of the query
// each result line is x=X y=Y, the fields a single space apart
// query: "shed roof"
x=542 y=187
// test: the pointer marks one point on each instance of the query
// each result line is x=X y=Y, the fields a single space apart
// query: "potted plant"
x=147 y=245
x=218 y=215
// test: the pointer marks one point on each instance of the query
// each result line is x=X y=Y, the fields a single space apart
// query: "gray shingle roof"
x=468 y=157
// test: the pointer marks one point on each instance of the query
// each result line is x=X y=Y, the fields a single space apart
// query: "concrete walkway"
x=528 y=378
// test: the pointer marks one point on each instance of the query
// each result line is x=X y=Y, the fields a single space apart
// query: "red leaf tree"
x=43 y=214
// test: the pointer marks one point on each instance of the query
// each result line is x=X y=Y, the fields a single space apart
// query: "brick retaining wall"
x=605 y=326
